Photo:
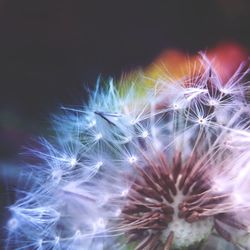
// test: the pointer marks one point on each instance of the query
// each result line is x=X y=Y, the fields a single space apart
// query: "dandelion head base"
x=157 y=208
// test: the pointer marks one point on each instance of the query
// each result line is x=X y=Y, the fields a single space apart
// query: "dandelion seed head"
x=160 y=170
x=99 y=164
x=201 y=121
x=124 y=192
x=57 y=174
x=99 y=224
x=72 y=162
x=127 y=139
x=98 y=136
x=144 y=134
x=132 y=159
x=213 y=102
x=12 y=224
x=92 y=123
x=176 y=106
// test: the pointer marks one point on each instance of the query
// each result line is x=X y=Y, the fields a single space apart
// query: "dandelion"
x=164 y=170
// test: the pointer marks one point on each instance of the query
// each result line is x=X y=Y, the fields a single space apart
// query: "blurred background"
x=50 y=50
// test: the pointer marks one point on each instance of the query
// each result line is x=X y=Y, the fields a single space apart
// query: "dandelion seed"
x=144 y=134
x=98 y=136
x=57 y=175
x=99 y=164
x=72 y=162
x=100 y=223
x=92 y=123
x=213 y=102
x=132 y=159
x=12 y=224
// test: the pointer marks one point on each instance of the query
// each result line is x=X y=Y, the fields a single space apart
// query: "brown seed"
x=224 y=233
x=176 y=166
x=169 y=241
x=146 y=241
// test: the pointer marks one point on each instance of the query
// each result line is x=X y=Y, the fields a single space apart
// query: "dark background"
x=50 y=49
